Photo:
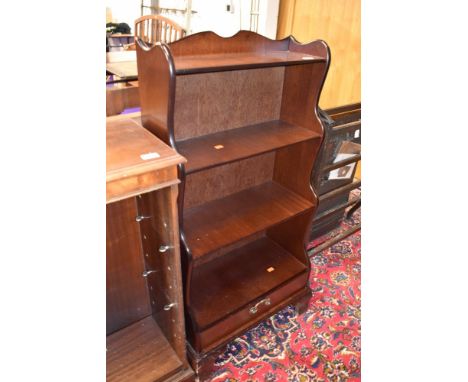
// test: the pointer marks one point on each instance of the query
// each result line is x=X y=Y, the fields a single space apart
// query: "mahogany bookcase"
x=243 y=112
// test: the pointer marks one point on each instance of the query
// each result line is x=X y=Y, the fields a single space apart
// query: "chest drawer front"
x=253 y=313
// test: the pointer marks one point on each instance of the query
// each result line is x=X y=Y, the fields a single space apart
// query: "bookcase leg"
x=202 y=365
x=302 y=305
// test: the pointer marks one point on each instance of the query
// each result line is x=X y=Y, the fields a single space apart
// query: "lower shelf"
x=224 y=221
x=140 y=353
x=229 y=283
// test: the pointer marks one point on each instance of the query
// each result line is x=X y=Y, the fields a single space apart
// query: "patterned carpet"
x=321 y=345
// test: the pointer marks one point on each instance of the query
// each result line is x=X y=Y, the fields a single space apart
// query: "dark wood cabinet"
x=342 y=131
x=145 y=315
x=243 y=112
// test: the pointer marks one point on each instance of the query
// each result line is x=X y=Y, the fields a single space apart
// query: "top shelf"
x=235 y=61
x=126 y=66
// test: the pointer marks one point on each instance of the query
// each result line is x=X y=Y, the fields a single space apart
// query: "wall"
x=124 y=11
x=211 y=15
x=338 y=22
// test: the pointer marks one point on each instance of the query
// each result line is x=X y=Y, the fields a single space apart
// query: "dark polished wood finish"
x=160 y=245
x=240 y=109
x=223 y=221
x=236 y=144
x=243 y=273
x=236 y=61
x=145 y=315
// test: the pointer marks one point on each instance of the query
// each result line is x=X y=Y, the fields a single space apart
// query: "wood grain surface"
x=127 y=298
x=228 y=84
x=136 y=160
x=161 y=230
x=236 y=144
x=337 y=22
x=140 y=353
x=243 y=275
x=121 y=96
x=223 y=221
x=124 y=69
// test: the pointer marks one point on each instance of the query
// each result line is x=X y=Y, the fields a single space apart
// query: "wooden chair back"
x=155 y=28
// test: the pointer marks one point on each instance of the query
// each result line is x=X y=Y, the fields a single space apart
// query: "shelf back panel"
x=212 y=102
x=218 y=182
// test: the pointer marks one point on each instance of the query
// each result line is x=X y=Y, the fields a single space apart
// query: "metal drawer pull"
x=147 y=273
x=139 y=218
x=254 y=309
x=164 y=248
x=169 y=306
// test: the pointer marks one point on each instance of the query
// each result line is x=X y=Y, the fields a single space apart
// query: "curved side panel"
x=317 y=48
x=157 y=79
x=211 y=43
x=301 y=92
x=156 y=74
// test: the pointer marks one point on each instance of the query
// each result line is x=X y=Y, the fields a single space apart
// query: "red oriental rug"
x=321 y=345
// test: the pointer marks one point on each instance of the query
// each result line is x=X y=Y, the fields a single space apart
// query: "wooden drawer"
x=251 y=314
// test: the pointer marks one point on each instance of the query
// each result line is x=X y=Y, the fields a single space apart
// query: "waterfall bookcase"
x=243 y=112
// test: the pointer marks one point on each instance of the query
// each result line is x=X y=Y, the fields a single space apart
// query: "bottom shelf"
x=140 y=353
x=229 y=283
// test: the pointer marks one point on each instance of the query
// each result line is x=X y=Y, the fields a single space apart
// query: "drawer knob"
x=147 y=273
x=139 y=218
x=163 y=248
x=254 y=309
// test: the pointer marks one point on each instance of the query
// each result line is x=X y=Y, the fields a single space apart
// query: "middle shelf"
x=221 y=222
x=230 y=145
